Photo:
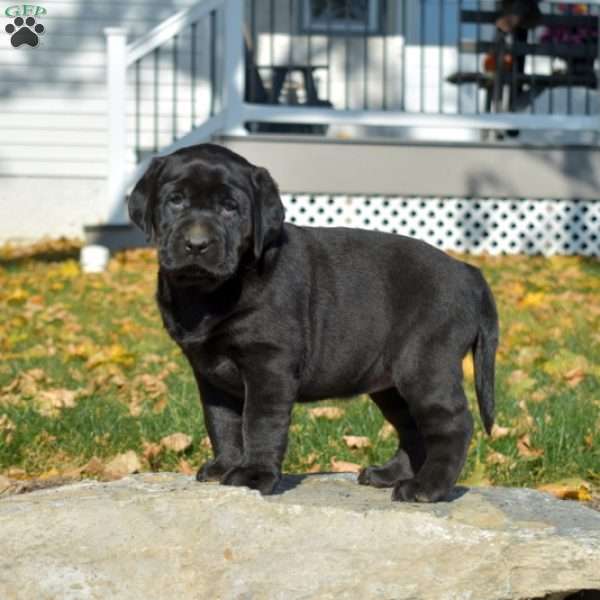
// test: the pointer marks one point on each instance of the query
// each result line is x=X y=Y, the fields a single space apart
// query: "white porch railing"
x=224 y=22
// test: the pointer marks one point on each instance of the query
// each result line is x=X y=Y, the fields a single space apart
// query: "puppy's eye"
x=176 y=198
x=230 y=205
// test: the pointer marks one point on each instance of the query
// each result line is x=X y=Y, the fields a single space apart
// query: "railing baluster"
x=272 y=50
x=193 y=67
x=422 y=48
x=328 y=50
x=213 y=61
x=365 y=56
x=251 y=52
x=441 y=57
x=459 y=56
x=138 y=124
x=477 y=61
x=156 y=99
x=404 y=46
x=384 y=32
x=174 y=98
x=347 y=53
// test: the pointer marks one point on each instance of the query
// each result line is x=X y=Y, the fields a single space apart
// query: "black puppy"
x=269 y=314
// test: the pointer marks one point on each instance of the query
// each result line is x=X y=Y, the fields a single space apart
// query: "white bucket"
x=94 y=258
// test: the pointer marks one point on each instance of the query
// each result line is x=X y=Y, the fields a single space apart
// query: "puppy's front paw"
x=413 y=491
x=213 y=470
x=258 y=478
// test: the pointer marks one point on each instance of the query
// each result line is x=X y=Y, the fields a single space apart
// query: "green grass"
x=101 y=337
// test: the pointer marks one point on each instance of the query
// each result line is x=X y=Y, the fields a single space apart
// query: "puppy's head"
x=206 y=207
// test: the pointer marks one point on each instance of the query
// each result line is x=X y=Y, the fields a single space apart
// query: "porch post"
x=116 y=79
x=234 y=72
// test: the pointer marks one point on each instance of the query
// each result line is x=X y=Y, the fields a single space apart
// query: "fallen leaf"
x=538 y=396
x=51 y=401
x=533 y=299
x=574 y=376
x=341 y=466
x=205 y=443
x=310 y=458
x=177 y=442
x=496 y=458
x=357 y=441
x=94 y=467
x=525 y=448
x=16 y=473
x=387 y=431
x=575 y=490
x=122 y=464
x=326 y=412
x=150 y=451
x=185 y=467
x=499 y=432
x=5 y=484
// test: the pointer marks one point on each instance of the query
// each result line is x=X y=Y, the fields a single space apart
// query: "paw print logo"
x=24 y=32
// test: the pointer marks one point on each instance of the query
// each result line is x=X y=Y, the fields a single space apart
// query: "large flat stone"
x=155 y=536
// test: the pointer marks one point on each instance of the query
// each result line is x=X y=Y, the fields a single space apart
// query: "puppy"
x=269 y=314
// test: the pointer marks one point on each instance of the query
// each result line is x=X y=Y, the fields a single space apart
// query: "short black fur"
x=269 y=314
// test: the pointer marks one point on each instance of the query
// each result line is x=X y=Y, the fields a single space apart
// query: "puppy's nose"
x=197 y=241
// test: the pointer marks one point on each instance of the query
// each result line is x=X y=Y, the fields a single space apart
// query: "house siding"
x=53 y=103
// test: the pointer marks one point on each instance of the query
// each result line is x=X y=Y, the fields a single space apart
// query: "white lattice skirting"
x=495 y=226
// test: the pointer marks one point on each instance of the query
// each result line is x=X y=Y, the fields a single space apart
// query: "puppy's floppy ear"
x=268 y=210
x=142 y=199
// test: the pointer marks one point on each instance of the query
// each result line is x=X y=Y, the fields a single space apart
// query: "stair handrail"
x=121 y=55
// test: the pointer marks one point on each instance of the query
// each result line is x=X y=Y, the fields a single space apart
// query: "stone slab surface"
x=165 y=536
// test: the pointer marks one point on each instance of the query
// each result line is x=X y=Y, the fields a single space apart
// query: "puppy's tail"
x=484 y=356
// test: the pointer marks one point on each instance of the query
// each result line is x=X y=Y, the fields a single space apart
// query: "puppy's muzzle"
x=197 y=240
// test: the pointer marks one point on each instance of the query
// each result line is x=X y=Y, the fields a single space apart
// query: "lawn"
x=88 y=374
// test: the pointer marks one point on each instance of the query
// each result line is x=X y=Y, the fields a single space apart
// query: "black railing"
x=427 y=56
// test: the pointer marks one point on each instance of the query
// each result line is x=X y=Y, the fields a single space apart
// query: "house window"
x=341 y=16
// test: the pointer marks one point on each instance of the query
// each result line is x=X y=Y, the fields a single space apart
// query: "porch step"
x=115 y=237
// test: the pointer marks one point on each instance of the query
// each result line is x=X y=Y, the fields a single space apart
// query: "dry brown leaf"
x=589 y=440
x=94 y=467
x=357 y=441
x=153 y=385
x=326 y=412
x=496 y=458
x=387 y=431
x=526 y=450
x=316 y=468
x=122 y=464
x=341 y=466
x=177 y=442
x=185 y=467
x=574 y=376
x=16 y=473
x=310 y=458
x=538 y=396
x=5 y=484
x=151 y=450
x=574 y=490
x=205 y=443
x=499 y=432
x=51 y=401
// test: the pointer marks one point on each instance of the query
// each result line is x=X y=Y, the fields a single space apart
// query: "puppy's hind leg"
x=438 y=404
x=411 y=450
